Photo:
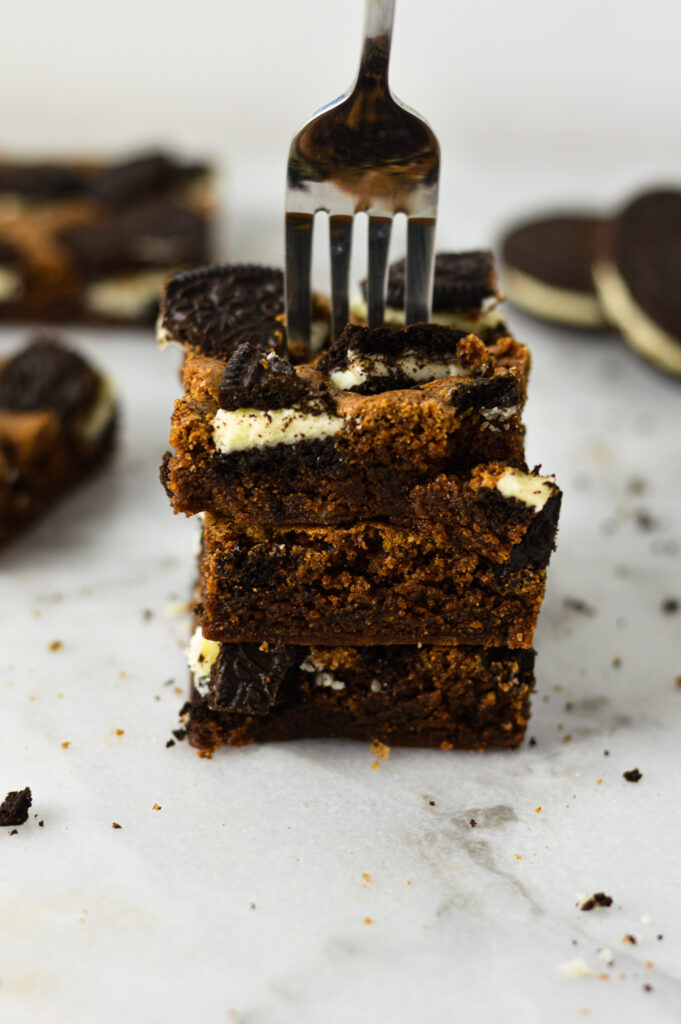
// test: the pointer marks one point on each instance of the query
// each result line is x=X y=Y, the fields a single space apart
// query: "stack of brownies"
x=374 y=549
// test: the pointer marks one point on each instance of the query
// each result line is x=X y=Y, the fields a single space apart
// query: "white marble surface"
x=293 y=883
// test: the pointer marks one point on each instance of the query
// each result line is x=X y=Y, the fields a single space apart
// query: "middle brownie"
x=478 y=580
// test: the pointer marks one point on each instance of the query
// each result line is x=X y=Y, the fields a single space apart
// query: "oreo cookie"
x=140 y=178
x=216 y=309
x=156 y=233
x=47 y=376
x=248 y=679
x=548 y=269
x=463 y=281
x=638 y=272
x=257 y=380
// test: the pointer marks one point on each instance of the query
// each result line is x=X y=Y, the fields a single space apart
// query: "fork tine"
x=298 y=265
x=377 y=277
x=340 y=240
x=420 y=261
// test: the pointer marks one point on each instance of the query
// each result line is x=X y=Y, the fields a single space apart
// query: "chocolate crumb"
x=252 y=906
x=645 y=521
x=147 y=614
x=170 y=743
x=14 y=808
x=41 y=824
x=660 y=937
x=14 y=832
x=671 y=605
x=473 y=823
x=114 y=824
x=576 y=604
x=606 y=753
x=633 y=775
x=599 y=899
x=532 y=742
x=432 y=803
x=647 y=988
x=616 y=661
x=179 y=734
x=630 y=939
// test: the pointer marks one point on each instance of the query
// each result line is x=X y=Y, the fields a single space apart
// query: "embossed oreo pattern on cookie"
x=215 y=309
x=47 y=376
x=463 y=281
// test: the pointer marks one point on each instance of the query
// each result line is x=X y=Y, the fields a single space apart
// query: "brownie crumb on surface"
x=671 y=605
x=114 y=824
x=15 y=806
x=576 y=604
x=633 y=775
x=599 y=899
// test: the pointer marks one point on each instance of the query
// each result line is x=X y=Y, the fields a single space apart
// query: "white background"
x=534 y=102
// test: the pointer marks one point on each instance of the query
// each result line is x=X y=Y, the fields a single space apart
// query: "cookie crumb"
x=55 y=645
x=671 y=605
x=629 y=940
x=14 y=808
x=633 y=775
x=380 y=750
x=114 y=824
x=156 y=807
x=599 y=899
x=473 y=823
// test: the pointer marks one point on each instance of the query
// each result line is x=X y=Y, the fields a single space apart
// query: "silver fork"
x=365 y=151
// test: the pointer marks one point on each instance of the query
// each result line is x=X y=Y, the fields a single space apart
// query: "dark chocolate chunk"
x=248 y=678
x=258 y=381
x=215 y=309
x=633 y=775
x=47 y=376
x=40 y=181
x=155 y=233
x=141 y=177
x=463 y=280
x=556 y=250
x=14 y=808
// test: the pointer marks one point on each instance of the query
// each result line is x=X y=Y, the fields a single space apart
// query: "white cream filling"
x=238 y=430
x=322 y=677
x=488 y=318
x=92 y=424
x=201 y=656
x=551 y=303
x=361 y=368
x=642 y=333
x=10 y=284
x=126 y=297
x=532 y=490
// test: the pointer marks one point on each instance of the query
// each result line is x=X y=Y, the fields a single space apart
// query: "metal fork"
x=365 y=151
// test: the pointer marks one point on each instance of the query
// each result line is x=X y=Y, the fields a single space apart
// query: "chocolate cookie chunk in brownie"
x=93 y=242
x=57 y=425
x=213 y=310
x=464 y=294
x=353 y=455
x=425 y=696
x=637 y=273
x=548 y=268
x=363 y=583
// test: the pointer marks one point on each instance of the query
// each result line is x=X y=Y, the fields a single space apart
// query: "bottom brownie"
x=416 y=695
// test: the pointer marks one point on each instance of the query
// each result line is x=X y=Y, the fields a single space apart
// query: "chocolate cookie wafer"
x=638 y=276
x=547 y=269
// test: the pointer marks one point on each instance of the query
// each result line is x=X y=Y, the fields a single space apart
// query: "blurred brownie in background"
x=92 y=242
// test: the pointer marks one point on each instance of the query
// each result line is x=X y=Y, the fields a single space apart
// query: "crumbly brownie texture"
x=422 y=696
x=548 y=268
x=351 y=458
x=637 y=276
x=57 y=425
x=90 y=242
x=364 y=583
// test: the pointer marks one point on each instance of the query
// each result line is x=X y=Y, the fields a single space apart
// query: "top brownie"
x=258 y=440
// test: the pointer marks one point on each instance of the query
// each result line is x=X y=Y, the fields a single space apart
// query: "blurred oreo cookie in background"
x=621 y=272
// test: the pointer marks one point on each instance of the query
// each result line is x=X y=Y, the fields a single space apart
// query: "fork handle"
x=378 y=31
